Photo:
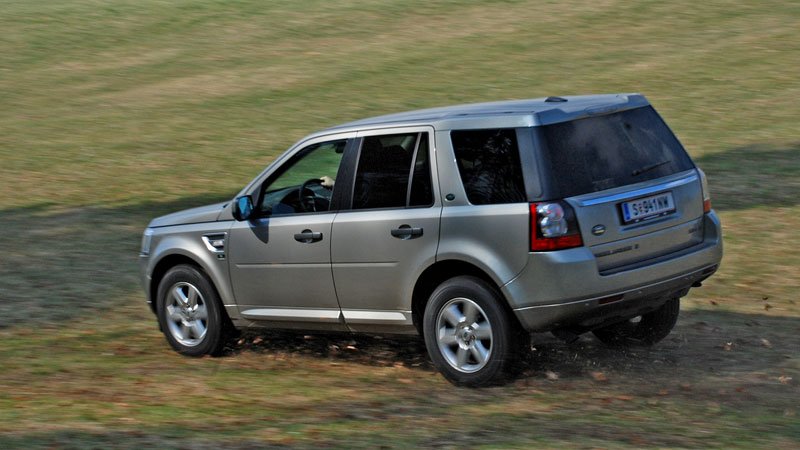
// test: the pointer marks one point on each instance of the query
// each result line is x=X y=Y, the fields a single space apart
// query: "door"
x=389 y=230
x=280 y=260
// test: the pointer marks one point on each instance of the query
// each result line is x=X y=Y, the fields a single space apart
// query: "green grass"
x=112 y=113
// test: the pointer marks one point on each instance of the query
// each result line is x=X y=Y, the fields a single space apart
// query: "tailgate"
x=634 y=223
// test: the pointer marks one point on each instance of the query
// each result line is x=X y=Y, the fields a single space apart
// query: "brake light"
x=553 y=227
x=706 y=191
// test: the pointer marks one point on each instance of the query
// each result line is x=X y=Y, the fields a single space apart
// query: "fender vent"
x=215 y=242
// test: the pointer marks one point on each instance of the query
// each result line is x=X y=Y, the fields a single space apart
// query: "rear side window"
x=598 y=153
x=488 y=161
x=393 y=172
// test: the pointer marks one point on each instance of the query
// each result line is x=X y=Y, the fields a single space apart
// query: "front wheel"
x=468 y=334
x=189 y=312
x=646 y=329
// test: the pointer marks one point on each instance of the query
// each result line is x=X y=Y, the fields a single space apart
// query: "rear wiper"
x=649 y=168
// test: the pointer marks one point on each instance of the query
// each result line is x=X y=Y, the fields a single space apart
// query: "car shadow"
x=753 y=176
x=357 y=348
x=704 y=344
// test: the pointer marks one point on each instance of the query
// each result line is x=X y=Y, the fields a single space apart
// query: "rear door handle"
x=308 y=236
x=406 y=232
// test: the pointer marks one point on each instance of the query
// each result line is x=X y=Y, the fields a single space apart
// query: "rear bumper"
x=565 y=288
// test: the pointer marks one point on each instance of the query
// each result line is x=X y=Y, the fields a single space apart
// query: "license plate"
x=647 y=207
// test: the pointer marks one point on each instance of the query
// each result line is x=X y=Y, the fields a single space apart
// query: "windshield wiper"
x=649 y=168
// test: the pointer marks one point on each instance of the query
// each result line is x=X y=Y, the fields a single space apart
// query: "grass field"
x=114 y=112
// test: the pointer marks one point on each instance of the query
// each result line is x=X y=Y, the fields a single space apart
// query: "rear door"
x=635 y=191
x=388 y=231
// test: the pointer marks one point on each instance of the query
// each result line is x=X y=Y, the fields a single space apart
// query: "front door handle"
x=407 y=232
x=308 y=236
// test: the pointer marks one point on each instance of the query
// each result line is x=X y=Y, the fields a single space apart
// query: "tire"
x=189 y=312
x=650 y=329
x=470 y=337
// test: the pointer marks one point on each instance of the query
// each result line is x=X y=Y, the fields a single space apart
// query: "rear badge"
x=598 y=230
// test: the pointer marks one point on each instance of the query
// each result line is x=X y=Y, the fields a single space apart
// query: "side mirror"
x=243 y=208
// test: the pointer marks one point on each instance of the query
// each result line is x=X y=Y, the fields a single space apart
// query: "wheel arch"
x=162 y=267
x=440 y=272
x=167 y=262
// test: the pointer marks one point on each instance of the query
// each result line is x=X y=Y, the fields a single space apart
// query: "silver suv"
x=471 y=225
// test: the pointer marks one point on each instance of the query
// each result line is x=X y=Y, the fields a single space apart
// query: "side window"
x=488 y=161
x=393 y=172
x=305 y=183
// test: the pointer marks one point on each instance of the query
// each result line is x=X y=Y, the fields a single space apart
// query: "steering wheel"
x=307 y=197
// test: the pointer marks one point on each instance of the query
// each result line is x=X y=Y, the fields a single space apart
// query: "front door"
x=280 y=259
x=388 y=233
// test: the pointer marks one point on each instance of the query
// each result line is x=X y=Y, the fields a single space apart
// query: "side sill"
x=355 y=316
x=293 y=315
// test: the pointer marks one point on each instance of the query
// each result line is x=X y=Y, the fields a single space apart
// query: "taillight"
x=706 y=192
x=553 y=227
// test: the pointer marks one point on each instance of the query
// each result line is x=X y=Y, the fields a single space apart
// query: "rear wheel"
x=468 y=334
x=189 y=312
x=646 y=329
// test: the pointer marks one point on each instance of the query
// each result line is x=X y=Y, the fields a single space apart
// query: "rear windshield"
x=604 y=152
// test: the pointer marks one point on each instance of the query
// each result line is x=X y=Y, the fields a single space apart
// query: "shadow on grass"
x=754 y=176
x=160 y=439
x=59 y=264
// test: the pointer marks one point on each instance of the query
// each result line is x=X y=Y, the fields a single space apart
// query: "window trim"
x=255 y=184
x=279 y=167
x=347 y=203
x=342 y=199
x=518 y=133
x=411 y=169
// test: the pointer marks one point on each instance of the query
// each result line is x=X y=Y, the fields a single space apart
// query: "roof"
x=539 y=111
